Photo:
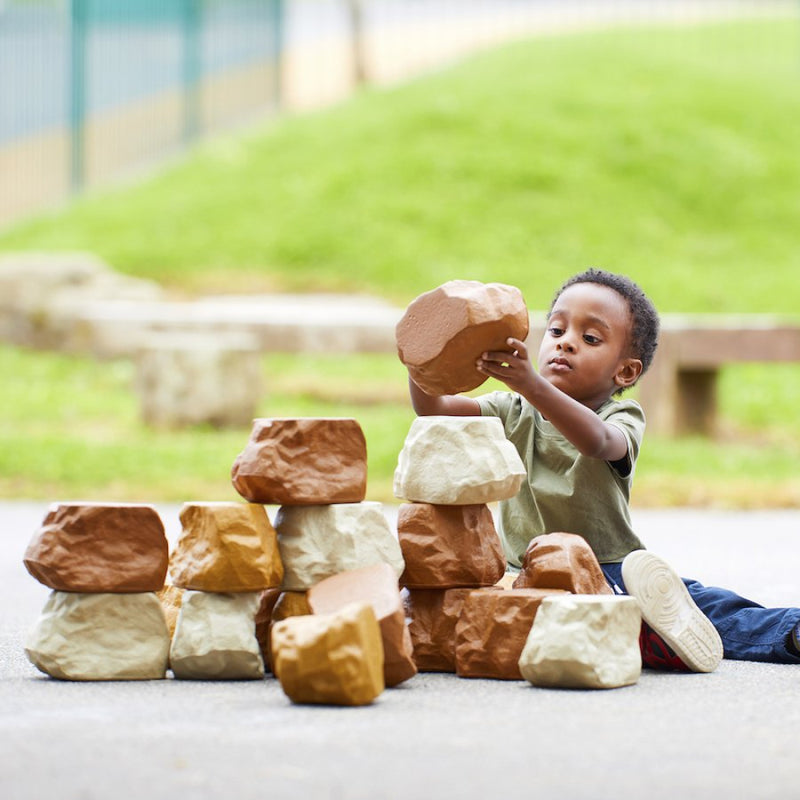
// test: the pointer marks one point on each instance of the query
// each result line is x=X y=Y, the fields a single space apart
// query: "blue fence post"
x=77 y=91
x=191 y=23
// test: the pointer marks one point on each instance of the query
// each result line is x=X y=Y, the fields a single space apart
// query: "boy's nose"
x=566 y=344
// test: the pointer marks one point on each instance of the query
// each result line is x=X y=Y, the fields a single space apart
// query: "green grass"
x=669 y=154
x=72 y=432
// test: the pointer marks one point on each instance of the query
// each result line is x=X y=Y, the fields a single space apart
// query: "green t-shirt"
x=565 y=491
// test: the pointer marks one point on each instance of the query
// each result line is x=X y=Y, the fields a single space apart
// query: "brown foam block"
x=97 y=548
x=376 y=585
x=444 y=331
x=302 y=461
x=266 y=603
x=226 y=547
x=562 y=561
x=333 y=659
x=171 y=598
x=432 y=615
x=492 y=630
x=449 y=546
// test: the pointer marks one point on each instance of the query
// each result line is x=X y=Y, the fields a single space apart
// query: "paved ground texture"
x=729 y=734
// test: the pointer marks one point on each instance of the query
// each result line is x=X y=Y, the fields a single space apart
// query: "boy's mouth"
x=559 y=363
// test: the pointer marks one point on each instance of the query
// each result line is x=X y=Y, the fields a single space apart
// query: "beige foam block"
x=171 y=598
x=492 y=630
x=443 y=332
x=584 y=642
x=376 y=585
x=457 y=461
x=431 y=615
x=100 y=637
x=302 y=461
x=215 y=637
x=226 y=547
x=99 y=547
x=334 y=659
x=448 y=546
x=562 y=561
x=319 y=541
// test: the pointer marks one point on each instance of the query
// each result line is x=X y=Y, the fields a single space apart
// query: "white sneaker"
x=670 y=611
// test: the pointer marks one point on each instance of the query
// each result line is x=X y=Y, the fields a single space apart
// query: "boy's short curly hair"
x=644 y=317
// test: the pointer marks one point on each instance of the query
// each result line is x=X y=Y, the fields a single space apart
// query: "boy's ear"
x=628 y=372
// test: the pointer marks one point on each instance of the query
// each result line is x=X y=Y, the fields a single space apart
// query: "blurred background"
x=158 y=153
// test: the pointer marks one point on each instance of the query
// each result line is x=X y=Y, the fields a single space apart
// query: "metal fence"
x=92 y=89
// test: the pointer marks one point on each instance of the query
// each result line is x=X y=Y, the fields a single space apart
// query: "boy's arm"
x=578 y=423
x=445 y=405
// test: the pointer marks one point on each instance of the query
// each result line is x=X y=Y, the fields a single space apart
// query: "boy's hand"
x=512 y=366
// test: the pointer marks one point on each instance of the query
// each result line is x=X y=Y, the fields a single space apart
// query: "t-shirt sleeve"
x=495 y=404
x=628 y=416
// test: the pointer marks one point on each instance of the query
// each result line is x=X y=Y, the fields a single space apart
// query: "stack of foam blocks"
x=103 y=619
x=334 y=632
x=558 y=624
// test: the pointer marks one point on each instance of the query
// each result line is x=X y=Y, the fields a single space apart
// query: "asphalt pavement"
x=732 y=733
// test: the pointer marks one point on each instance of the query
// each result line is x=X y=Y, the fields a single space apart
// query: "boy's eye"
x=554 y=331
x=591 y=339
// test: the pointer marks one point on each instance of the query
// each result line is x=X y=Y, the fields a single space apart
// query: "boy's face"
x=585 y=348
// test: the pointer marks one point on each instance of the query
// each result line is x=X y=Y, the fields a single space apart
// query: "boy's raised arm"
x=449 y=405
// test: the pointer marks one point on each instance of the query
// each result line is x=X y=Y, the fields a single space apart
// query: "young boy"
x=579 y=446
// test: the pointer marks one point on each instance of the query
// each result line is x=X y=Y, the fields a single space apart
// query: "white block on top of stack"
x=457 y=461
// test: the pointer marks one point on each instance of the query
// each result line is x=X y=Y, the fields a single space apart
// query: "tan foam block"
x=171 y=598
x=443 y=332
x=584 y=642
x=303 y=461
x=319 y=541
x=492 y=630
x=376 y=585
x=100 y=637
x=99 y=547
x=226 y=547
x=457 y=461
x=431 y=615
x=334 y=659
x=448 y=546
x=562 y=561
x=215 y=638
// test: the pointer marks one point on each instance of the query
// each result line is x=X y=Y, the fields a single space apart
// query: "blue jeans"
x=749 y=632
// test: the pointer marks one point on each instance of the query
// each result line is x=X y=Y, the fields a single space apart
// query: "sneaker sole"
x=669 y=609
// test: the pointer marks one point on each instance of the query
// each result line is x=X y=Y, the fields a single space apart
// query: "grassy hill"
x=669 y=154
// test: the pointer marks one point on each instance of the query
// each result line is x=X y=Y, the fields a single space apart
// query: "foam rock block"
x=302 y=461
x=432 y=615
x=444 y=331
x=448 y=546
x=492 y=630
x=584 y=642
x=376 y=585
x=226 y=547
x=100 y=637
x=215 y=637
x=333 y=659
x=263 y=621
x=457 y=461
x=97 y=548
x=562 y=561
x=171 y=598
x=319 y=541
